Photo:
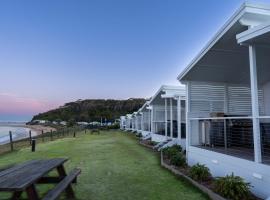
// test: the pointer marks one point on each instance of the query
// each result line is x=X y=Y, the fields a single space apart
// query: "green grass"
x=114 y=167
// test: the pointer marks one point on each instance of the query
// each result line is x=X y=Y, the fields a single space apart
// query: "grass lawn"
x=114 y=166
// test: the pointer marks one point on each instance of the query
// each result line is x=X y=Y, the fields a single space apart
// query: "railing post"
x=11 y=140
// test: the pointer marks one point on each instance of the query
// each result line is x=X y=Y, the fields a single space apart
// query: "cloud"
x=14 y=104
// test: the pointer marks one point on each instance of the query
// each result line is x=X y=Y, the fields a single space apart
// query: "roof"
x=248 y=14
x=170 y=90
x=252 y=34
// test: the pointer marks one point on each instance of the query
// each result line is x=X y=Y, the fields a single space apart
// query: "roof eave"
x=232 y=20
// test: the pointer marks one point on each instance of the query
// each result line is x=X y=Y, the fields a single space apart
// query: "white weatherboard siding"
x=266 y=95
x=221 y=165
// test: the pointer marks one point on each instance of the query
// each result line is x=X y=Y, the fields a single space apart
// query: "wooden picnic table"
x=24 y=178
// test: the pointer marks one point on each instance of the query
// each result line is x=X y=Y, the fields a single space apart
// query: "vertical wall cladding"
x=207 y=98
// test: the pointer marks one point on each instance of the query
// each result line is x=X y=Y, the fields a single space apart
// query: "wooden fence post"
x=74 y=134
x=30 y=136
x=85 y=131
x=51 y=136
x=11 y=141
x=42 y=135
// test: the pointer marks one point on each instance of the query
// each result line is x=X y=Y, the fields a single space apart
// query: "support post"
x=11 y=141
x=226 y=109
x=188 y=122
x=152 y=120
x=142 y=124
x=171 y=118
x=255 y=104
x=179 y=134
x=149 y=128
x=166 y=119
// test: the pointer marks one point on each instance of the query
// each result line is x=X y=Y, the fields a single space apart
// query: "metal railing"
x=228 y=135
x=231 y=135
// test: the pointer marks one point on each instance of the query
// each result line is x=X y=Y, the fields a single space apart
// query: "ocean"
x=18 y=131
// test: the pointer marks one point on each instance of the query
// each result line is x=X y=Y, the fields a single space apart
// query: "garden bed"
x=207 y=186
x=147 y=143
x=183 y=173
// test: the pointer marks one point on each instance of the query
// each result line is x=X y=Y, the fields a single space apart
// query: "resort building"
x=128 y=122
x=122 y=122
x=228 y=100
x=145 y=112
x=168 y=114
x=133 y=122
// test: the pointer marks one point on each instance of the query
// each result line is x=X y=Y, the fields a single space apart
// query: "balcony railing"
x=231 y=136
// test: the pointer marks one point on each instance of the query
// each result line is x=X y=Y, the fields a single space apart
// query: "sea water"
x=18 y=132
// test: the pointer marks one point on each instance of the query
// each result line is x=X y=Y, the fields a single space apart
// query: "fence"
x=43 y=137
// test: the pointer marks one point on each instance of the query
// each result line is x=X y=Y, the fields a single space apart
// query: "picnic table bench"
x=24 y=178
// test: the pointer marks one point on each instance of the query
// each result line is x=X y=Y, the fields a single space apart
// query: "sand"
x=38 y=128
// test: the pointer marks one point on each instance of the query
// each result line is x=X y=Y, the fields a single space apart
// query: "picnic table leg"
x=62 y=173
x=16 y=195
x=32 y=192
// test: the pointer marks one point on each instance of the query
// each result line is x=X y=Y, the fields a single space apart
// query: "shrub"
x=199 y=172
x=139 y=135
x=152 y=143
x=232 y=187
x=178 y=160
x=169 y=152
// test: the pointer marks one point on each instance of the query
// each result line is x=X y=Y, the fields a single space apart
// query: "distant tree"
x=71 y=123
x=92 y=110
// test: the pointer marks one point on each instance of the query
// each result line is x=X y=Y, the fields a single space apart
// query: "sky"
x=57 y=51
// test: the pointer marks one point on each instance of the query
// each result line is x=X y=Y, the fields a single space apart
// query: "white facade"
x=122 y=122
x=145 y=119
x=167 y=114
x=128 y=122
x=228 y=95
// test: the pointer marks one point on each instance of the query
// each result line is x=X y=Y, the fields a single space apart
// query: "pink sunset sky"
x=19 y=105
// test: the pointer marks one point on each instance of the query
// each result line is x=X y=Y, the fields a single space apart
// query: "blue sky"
x=56 y=51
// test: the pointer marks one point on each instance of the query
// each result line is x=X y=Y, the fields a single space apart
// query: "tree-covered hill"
x=92 y=110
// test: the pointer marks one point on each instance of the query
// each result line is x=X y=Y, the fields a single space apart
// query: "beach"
x=39 y=128
x=20 y=131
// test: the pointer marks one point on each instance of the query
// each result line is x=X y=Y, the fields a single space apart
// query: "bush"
x=232 y=187
x=199 y=172
x=169 y=152
x=139 y=135
x=178 y=160
x=152 y=143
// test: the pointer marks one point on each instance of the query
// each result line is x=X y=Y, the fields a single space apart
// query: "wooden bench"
x=26 y=176
x=64 y=185
x=95 y=131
